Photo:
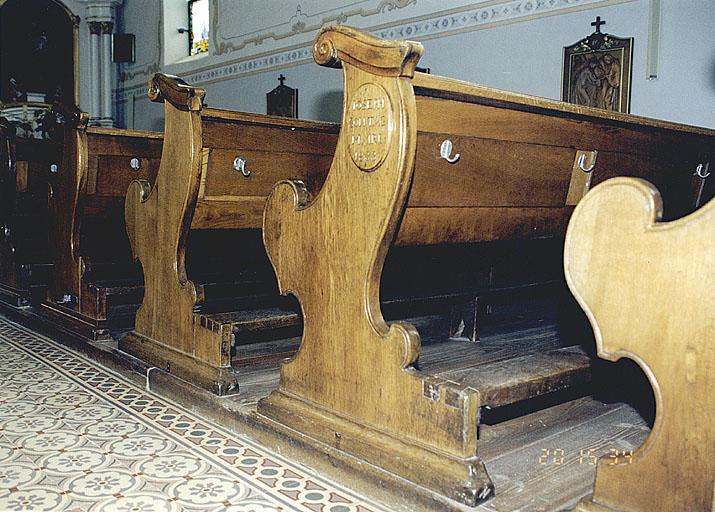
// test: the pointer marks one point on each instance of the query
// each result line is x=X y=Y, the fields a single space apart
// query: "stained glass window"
x=198 y=26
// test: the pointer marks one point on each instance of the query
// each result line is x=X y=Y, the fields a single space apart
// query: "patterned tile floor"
x=77 y=437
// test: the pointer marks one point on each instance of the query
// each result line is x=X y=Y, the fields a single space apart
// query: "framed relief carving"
x=597 y=71
x=282 y=101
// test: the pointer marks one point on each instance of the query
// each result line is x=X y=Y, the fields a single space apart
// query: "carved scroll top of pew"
x=177 y=92
x=336 y=44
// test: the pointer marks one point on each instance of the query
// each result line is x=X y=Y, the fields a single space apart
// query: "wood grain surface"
x=358 y=383
x=642 y=283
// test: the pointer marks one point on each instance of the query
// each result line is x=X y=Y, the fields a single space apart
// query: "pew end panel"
x=196 y=234
x=8 y=170
x=94 y=281
x=361 y=200
x=425 y=160
x=66 y=205
x=10 y=277
x=627 y=269
x=157 y=220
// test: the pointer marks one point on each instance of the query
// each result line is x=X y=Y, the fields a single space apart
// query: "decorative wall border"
x=300 y=54
x=497 y=13
x=478 y=16
x=299 y=24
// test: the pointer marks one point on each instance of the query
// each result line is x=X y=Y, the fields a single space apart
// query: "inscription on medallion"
x=369 y=126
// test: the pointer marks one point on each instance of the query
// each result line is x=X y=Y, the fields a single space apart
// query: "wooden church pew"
x=25 y=170
x=203 y=328
x=645 y=285
x=516 y=168
x=204 y=214
x=95 y=284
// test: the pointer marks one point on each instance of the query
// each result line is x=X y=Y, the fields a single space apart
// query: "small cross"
x=281 y=78
x=598 y=24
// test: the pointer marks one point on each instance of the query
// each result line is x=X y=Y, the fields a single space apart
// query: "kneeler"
x=648 y=289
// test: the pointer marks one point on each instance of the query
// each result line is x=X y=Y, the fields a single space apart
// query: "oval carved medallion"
x=370 y=126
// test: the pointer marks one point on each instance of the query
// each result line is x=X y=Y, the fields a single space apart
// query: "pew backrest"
x=521 y=162
x=244 y=155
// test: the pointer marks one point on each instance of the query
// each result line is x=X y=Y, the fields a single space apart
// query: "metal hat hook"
x=582 y=163
x=445 y=150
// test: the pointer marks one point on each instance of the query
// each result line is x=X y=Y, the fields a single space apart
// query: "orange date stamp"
x=590 y=456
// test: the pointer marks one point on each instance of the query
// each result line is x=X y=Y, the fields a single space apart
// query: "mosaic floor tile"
x=77 y=437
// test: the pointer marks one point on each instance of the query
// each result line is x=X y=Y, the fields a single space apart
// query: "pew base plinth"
x=219 y=380
x=22 y=284
x=71 y=321
x=464 y=480
x=14 y=297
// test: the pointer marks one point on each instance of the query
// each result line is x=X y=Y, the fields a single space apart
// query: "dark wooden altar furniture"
x=25 y=169
x=422 y=159
x=204 y=213
x=644 y=284
x=95 y=284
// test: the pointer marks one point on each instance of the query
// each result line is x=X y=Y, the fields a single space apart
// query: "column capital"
x=107 y=27
x=95 y=27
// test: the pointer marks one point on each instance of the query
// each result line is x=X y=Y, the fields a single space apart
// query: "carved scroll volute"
x=67 y=184
x=338 y=44
x=174 y=90
x=330 y=254
x=643 y=286
x=158 y=219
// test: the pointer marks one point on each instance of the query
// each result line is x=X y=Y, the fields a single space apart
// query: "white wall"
x=514 y=49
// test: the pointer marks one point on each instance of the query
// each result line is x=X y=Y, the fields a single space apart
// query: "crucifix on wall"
x=597 y=71
x=598 y=24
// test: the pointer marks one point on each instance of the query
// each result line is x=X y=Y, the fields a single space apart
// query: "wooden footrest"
x=510 y=366
x=255 y=326
x=521 y=378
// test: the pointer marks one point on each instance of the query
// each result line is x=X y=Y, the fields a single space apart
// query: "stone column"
x=95 y=29
x=107 y=65
x=100 y=21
